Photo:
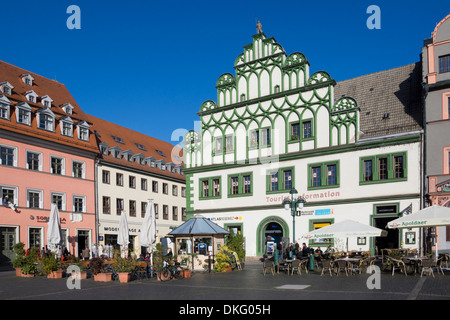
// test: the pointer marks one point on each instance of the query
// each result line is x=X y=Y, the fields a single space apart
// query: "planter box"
x=186 y=273
x=18 y=272
x=82 y=275
x=55 y=274
x=227 y=269
x=30 y=275
x=103 y=277
x=124 y=277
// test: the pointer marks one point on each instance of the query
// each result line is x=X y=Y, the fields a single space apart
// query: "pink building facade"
x=47 y=155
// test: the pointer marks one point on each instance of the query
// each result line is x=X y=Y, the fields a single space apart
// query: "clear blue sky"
x=149 y=65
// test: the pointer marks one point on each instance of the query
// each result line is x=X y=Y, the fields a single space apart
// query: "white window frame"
x=83 y=168
x=26 y=109
x=47 y=113
x=63 y=195
x=83 y=131
x=39 y=159
x=14 y=154
x=5 y=104
x=68 y=122
x=77 y=196
x=15 y=190
x=41 y=199
x=63 y=165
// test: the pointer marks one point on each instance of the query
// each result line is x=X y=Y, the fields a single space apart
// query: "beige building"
x=133 y=168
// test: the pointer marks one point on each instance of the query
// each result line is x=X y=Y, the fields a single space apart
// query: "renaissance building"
x=350 y=149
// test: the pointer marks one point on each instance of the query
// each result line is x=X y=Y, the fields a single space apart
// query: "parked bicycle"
x=170 y=270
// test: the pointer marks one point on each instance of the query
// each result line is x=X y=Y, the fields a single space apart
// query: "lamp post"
x=293 y=204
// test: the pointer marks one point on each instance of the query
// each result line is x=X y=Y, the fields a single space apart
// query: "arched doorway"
x=272 y=226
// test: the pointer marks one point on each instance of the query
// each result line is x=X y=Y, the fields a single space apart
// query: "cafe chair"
x=296 y=264
x=268 y=264
x=341 y=265
x=427 y=265
x=327 y=265
x=397 y=265
x=283 y=265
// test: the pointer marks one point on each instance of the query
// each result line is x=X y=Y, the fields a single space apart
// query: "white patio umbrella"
x=147 y=237
x=54 y=228
x=123 y=238
x=346 y=229
x=433 y=216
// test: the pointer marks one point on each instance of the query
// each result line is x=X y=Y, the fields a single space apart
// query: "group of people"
x=300 y=252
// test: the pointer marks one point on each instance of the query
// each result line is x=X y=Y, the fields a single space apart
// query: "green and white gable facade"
x=275 y=127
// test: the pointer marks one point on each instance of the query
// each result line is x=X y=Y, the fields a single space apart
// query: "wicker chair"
x=296 y=264
x=397 y=265
x=283 y=265
x=268 y=264
x=341 y=265
x=327 y=265
x=428 y=265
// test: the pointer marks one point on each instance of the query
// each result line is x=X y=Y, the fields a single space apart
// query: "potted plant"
x=19 y=259
x=50 y=267
x=98 y=268
x=124 y=267
x=29 y=267
x=223 y=261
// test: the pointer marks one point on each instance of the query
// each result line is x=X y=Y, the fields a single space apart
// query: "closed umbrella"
x=346 y=229
x=54 y=228
x=123 y=239
x=147 y=237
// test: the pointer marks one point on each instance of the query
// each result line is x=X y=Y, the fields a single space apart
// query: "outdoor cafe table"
x=416 y=261
x=352 y=261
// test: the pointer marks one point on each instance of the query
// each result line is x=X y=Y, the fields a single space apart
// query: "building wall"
x=22 y=179
x=437 y=118
x=108 y=223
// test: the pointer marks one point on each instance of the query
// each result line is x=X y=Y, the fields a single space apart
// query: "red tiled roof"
x=105 y=131
x=42 y=86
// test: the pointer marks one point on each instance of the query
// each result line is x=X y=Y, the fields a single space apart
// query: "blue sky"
x=149 y=65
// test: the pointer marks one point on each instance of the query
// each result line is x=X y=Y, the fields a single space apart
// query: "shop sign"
x=45 y=219
x=116 y=229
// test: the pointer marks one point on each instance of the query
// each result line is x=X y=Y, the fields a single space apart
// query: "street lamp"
x=293 y=204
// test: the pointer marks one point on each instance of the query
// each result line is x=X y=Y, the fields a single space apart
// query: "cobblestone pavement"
x=245 y=285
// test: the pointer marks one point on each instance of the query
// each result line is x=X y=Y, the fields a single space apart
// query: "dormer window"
x=4 y=107
x=68 y=108
x=66 y=126
x=27 y=79
x=83 y=131
x=31 y=96
x=46 y=119
x=103 y=148
x=23 y=113
x=46 y=101
x=6 y=87
x=128 y=155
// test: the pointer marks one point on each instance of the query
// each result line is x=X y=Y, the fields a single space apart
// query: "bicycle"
x=170 y=271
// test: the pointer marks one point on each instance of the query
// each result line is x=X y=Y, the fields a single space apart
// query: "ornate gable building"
x=351 y=149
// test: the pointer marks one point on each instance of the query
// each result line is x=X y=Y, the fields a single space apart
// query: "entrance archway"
x=273 y=226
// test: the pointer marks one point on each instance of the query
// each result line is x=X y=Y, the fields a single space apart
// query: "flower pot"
x=227 y=269
x=103 y=277
x=124 y=277
x=28 y=275
x=55 y=274
x=18 y=272
x=186 y=273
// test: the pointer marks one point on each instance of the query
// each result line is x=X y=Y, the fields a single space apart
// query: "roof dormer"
x=6 y=87
x=128 y=155
x=150 y=161
x=46 y=101
x=139 y=158
x=67 y=107
x=31 y=96
x=103 y=148
x=27 y=79
x=83 y=130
